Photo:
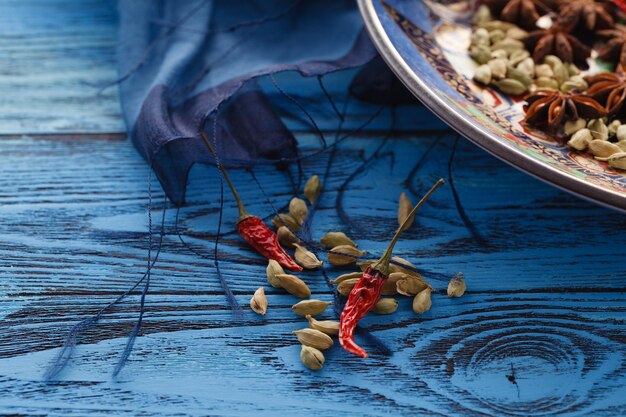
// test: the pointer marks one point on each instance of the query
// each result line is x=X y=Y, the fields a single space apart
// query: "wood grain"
x=542 y=330
x=56 y=57
x=59 y=55
x=544 y=305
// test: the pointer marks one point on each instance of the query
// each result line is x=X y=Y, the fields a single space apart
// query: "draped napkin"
x=183 y=62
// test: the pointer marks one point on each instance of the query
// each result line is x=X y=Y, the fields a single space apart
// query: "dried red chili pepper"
x=367 y=290
x=253 y=229
x=265 y=241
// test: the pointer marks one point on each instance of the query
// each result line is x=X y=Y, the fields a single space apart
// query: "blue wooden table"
x=541 y=331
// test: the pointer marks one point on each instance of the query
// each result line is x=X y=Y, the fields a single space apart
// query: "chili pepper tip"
x=352 y=347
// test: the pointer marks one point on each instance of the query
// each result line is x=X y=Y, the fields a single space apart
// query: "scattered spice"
x=582 y=108
x=314 y=338
x=367 y=291
x=345 y=287
x=603 y=149
x=510 y=86
x=258 y=302
x=598 y=129
x=399 y=264
x=312 y=358
x=334 y=239
x=252 y=228
x=590 y=14
x=312 y=189
x=306 y=258
x=298 y=210
x=422 y=301
x=620 y=133
x=410 y=285
x=456 y=286
x=329 y=327
x=286 y=220
x=609 y=89
x=618 y=160
x=361 y=300
x=273 y=269
x=293 y=285
x=550 y=108
x=344 y=277
x=310 y=307
x=385 y=306
x=261 y=238
x=614 y=49
x=524 y=12
x=363 y=288
x=580 y=140
x=286 y=237
x=390 y=287
x=365 y=264
x=557 y=40
x=344 y=255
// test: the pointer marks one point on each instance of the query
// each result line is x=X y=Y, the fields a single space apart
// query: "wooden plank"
x=544 y=305
x=59 y=54
x=542 y=330
x=56 y=57
x=566 y=353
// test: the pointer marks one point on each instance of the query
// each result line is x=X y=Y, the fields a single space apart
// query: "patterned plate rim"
x=484 y=139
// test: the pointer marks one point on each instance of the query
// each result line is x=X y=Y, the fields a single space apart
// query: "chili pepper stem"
x=243 y=214
x=383 y=263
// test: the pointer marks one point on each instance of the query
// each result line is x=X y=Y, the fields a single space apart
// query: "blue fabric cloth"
x=181 y=60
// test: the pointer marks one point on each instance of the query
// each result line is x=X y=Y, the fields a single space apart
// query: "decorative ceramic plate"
x=426 y=43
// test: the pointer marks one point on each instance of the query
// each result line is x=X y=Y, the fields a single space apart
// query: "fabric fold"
x=180 y=62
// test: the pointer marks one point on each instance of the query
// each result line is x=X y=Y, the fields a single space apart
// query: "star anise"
x=609 y=89
x=590 y=14
x=523 y=12
x=614 y=50
x=550 y=108
x=558 y=41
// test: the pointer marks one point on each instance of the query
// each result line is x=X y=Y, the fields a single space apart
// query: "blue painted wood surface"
x=58 y=75
x=542 y=330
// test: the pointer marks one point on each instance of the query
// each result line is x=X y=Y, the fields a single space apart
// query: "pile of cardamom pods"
x=592 y=136
x=504 y=63
x=341 y=252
